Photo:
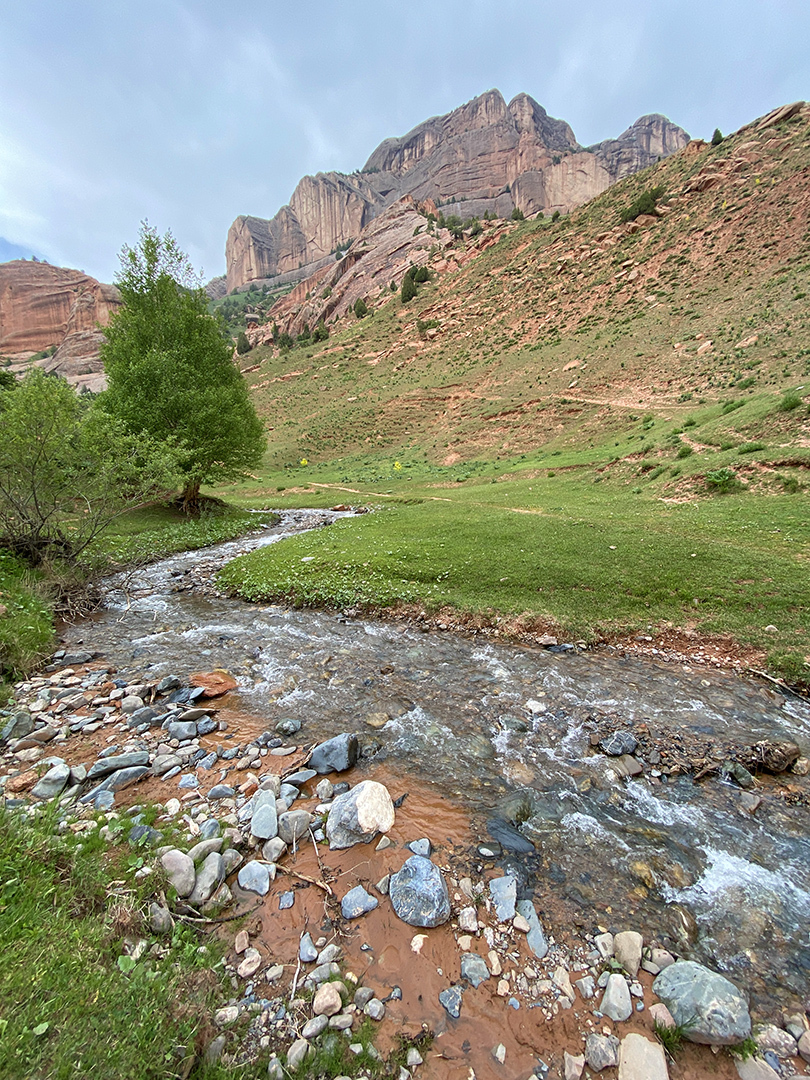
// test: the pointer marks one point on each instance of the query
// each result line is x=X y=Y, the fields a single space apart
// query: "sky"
x=187 y=114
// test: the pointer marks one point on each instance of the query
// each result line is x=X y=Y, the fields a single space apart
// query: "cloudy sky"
x=189 y=113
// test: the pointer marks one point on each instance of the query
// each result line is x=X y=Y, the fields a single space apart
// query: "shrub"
x=685 y=450
x=408 y=291
x=717 y=138
x=791 y=400
x=644 y=204
x=518 y=215
x=242 y=343
x=555 y=216
x=321 y=332
x=722 y=481
x=360 y=308
x=421 y=275
x=327 y=292
x=750 y=447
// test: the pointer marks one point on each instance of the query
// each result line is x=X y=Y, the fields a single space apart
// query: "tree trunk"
x=190 y=499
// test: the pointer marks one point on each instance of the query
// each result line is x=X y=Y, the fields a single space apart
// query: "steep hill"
x=484 y=157
x=53 y=309
x=542 y=333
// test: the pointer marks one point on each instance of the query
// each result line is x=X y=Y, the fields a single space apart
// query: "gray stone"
x=334 y=755
x=160 y=919
x=711 y=1007
x=208 y=761
x=264 y=823
x=300 y=777
x=104 y=800
x=627 y=948
x=619 y=743
x=330 y=953
x=142 y=716
x=573 y=1065
x=209 y=876
x=100 y=769
x=289 y=726
x=771 y=1037
x=207 y=725
x=359 y=815
x=275 y=1070
x=357 y=902
x=450 y=999
x=286 y=900
x=189 y=782
x=503 y=891
x=419 y=894
x=231 y=858
x=616 y=1001
x=274 y=849
x=322 y=972
x=307 y=952
x=164 y=762
x=324 y=790
x=421 y=847
x=294 y=825
x=213 y=1052
x=641 y=1059
x=168 y=683
x=297 y=1054
x=182 y=730
x=341 y=1022
x=221 y=791
x=52 y=783
x=315 y=1027
x=131 y=703
x=204 y=848
x=179 y=870
x=755 y=1069
x=586 y=987
x=362 y=996
x=222 y=898
x=375 y=1009
x=601 y=1051
x=209 y=829
x=255 y=877
x=20 y=725
x=535 y=938
x=474 y=968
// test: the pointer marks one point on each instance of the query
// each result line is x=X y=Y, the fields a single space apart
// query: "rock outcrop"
x=484 y=157
x=42 y=306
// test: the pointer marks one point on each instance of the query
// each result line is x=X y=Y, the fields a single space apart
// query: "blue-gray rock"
x=209 y=876
x=182 y=730
x=204 y=848
x=307 y=953
x=620 y=742
x=288 y=726
x=221 y=791
x=142 y=716
x=300 y=777
x=143 y=835
x=450 y=999
x=52 y=783
x=289 y=793
x=105 y=766
x=616 y=1002
x=357 y=902
x=179 y=870
x=712 y=1008
x=160 y=919
x=163 y=763
x=232 y=859
x=419 y=894
x=264 y=823
x=421 y=847
x=314 y=1027
x=535 y=939
x=172 y=772
x=167 y=684
x=255 y=877
x=293 y=825
x=474 y=968
x=20 y=725
x=334 y=755
x=207 y=761
x=207 y=725
x=510 y=838
x=503 y=891
x=117 y=781
x=209 y=829
x=601 y=1051
x=104 y=800
x=286 y=900
x=189 y=782
x=358 y=815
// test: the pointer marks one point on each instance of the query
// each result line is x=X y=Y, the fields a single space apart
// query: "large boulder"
x=419 y=894
x=357 y=816
x=711 y=1009
x=334 y=755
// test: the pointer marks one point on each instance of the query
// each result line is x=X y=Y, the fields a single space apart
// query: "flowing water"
x=681 y=861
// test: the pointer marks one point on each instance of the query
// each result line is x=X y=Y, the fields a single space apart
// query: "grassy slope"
x=584 y=396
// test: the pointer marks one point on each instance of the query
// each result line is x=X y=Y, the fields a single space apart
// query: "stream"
x=683 y=862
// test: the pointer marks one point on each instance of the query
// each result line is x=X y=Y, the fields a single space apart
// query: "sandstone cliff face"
x=484 y=156
x=43 y=305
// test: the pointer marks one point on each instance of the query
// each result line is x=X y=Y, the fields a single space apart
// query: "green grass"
x=70 y=1010
x=26 y=626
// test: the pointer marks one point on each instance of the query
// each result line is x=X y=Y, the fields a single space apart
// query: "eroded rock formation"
x=485 y=156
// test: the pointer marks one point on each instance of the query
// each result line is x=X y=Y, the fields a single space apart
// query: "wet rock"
x=419 y=894
x=52 y=783
x=421 y=847
x=640 y=1059
x=359 y=815
x=307 y=953
x=712 y=1007
x=601 y=1051
x=738 y=773
x=264 y=823
x=503 y=891
x=474 y=969
x=104 y=767
x=510 y=838
x=209 y=876
x=619 y=743
x=255 y=877
x=450 y=999
x=293 y=825
x=772 y=757
x=335 y=755
x=286 y=900
x=616 y=1002
x=535 y=938
x=357 y=902
x=627 y=948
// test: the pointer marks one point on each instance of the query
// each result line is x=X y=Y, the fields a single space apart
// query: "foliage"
x=671 y=1037
x=722 y=480
x=422 y=275
x=360 y=308
x=321 y=332
x=790 y=401
x=242 y=344
x=555 y=217
x=644 y=204
x=408 y=291
x=170 y=371
x=717 y=137
x=518 y=215
x=7 y=380
x=26 y=628
x=67 y=469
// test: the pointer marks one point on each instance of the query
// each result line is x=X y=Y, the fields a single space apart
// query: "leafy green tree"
x=717 y=138
x=408 y=291
x=7 y=380
x=360 y=308
x=67 y=469
x=518 y=215
x=242 y=343
x=321 y=332
x=170 y=371
x=422 y=274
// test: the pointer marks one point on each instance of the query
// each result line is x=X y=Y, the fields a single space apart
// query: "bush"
x=750 y=447
x=685 y=450
x=644 y=204
x=421 y=275
x=360 y=308
x=722 y=481
x=555 y=216
x=321 y=332
x=242 y=344
x=791 y=400
x=717 y=138
x=408 y=291
x=518 y=215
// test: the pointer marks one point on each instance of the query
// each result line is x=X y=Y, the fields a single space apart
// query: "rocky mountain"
x=484 y=157
x=43 y=306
